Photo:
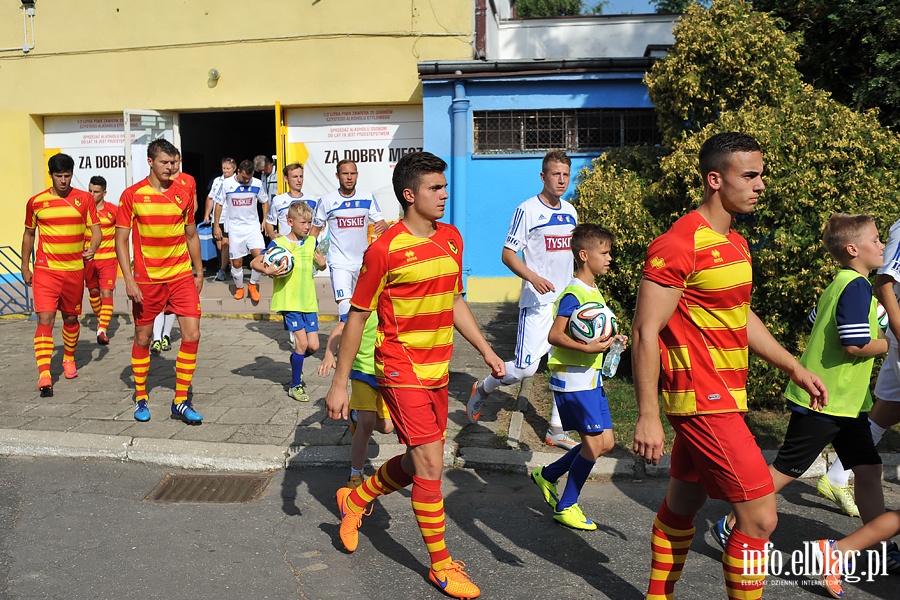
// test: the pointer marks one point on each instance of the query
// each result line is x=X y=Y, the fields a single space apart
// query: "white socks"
x=840 y=476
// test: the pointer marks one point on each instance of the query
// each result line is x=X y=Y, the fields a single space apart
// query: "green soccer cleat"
x=298 y=393
x=574 y=518
x=842 y=496
x=551 y=496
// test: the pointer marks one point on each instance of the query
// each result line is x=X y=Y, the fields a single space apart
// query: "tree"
x=851 y=49
x=676 y=6
x=548 y=8
x=820 y=157
x=557 y=8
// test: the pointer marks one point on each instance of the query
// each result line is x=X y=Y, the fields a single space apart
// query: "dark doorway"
x=207 y=137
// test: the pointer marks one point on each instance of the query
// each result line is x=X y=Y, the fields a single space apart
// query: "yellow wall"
x=96 y=56
x=493 y=289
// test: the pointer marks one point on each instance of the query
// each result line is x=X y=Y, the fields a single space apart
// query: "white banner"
x=96 y=143
x=374 y=137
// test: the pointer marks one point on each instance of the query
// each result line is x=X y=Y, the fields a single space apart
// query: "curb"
x=256 y=458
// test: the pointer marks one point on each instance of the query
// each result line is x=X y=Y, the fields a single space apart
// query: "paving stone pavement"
x=240 y=385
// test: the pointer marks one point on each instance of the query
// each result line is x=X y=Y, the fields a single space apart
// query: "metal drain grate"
x=211 y=489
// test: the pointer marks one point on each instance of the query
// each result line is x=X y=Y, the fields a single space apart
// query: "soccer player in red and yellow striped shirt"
x=100 y=273
x=59 y=215
x=412 y=277
x=158 y=215
x=693 y=317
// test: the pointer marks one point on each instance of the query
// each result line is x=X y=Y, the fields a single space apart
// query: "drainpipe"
x=459 y=162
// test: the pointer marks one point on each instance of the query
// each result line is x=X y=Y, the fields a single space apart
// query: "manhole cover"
x=214 y=489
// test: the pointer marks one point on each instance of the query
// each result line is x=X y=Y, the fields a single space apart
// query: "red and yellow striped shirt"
x=157 y=221
x=107 y=219
x=61 y=225
x=187 y=182
x=412 y=283
x=704 y=346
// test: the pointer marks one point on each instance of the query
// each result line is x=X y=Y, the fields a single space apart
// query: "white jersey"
x=278 y=209
x=240 y=200
x=213 y=191
x=348 y=220
x=891 y=267
x=544 y=236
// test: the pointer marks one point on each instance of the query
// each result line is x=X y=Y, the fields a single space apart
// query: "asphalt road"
x=80 y=528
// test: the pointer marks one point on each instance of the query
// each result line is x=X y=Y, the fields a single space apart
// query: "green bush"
x=820 y=157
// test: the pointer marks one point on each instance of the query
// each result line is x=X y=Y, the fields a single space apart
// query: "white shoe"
x=560 y=440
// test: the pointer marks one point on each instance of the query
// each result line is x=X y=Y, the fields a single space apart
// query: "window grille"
x=574 y=130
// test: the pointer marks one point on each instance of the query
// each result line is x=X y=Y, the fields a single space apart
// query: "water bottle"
x=324 y=246
x=613 y=355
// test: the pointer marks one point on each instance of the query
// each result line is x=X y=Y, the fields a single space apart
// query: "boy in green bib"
x=294 y=294
x=575 y=380
x=841 y=350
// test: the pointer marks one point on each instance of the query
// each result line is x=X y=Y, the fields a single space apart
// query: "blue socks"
x=578 y=474
x=554 y=471
x=297 y=369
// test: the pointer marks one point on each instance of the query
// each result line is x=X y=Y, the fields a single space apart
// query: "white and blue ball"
x=278 y=255
x=591 y=322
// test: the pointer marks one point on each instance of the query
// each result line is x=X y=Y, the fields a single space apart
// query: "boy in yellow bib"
x=294 y=294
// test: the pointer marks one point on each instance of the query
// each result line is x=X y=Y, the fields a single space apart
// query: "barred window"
x=575 y=130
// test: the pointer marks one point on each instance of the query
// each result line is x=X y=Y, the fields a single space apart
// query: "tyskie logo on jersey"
x=343 y=222
x=558 y=243
x=241 y=201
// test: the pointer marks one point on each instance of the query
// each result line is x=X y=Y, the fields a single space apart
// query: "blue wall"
x=496 y=184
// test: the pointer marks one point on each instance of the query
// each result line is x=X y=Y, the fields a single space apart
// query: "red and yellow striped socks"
x=95 y=303
x=105 y=314
x=185 y=363
x=389 y=478
x=43 y=349
x=70 y=339
x=744 y=566
x=669 y=545
x=428 y=506
x=140 y=364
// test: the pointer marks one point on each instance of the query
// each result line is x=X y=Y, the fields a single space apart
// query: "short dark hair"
x=586 y=235
x=288 y=168
x=161 y=146
x=246 y=167
x=409 y=172
x=98 y=180
x=843 y=229
x=343 y=162
x=60 y=163
x=555 y=156
x=715 y=153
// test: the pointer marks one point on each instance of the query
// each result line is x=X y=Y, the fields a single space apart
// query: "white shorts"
x=887 y=387
x=343 y=281
x=531 y=339
x=242 y=242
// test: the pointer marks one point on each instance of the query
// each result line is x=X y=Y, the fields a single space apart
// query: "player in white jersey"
x=347 y=211
x=885 y=413
x=229 y=166
x=239 y=195
x=541 y=228
x=278 y=206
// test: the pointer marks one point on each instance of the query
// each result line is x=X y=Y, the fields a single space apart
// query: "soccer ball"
x=881 y=315
x=276 y=255
x=592 y=321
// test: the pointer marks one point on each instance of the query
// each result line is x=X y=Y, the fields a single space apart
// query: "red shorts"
x=419 y=414
x=178 y=297
x=100 y=274
x=720 y=452
x=58 y=290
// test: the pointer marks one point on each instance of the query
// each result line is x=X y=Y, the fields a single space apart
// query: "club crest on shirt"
x=177 y=198
x=77 y=202
x=452 y=245
x=657 y=262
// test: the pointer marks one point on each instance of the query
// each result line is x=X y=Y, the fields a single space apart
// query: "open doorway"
x=207 y=137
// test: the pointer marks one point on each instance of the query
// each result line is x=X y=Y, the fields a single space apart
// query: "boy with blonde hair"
x=294 y=294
